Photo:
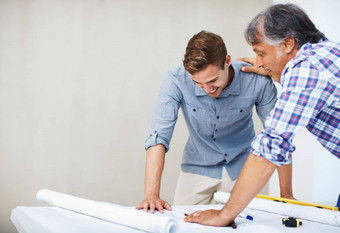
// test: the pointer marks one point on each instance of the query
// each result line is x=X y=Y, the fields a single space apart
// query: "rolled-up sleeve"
x=301 y=99
x=272 y=146
x=164 y=113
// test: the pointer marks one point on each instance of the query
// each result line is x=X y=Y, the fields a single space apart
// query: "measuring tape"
x=291 y=222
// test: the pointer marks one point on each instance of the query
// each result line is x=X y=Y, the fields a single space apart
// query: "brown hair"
x=203 y=49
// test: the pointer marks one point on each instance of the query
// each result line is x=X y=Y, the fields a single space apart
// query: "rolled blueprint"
x=310 y=213
x=113 y=213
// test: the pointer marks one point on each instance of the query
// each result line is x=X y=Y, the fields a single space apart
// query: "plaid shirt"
x=310 y=98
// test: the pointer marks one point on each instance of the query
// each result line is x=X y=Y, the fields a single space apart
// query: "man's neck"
x=231 y=75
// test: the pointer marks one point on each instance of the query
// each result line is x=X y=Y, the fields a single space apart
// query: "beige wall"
x=77 y=84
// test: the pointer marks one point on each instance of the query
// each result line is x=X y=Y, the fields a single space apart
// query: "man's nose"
x=259 y=62
x=207 y=88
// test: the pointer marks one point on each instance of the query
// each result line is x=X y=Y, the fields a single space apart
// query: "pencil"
x=233 y=225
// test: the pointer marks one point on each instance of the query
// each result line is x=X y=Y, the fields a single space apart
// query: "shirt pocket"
x=199 y=119
x=241 y=108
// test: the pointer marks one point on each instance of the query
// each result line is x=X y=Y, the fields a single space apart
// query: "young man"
x=296 y=54
x=217 y=101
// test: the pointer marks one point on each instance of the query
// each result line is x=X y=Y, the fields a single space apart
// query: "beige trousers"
x=192 y=189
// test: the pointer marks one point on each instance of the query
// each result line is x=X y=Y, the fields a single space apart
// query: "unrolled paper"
x=117 y=214
x=303 y=212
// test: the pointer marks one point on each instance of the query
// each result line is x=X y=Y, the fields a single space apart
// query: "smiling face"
x=274 y=58
x=270 y=57
x=213 y=79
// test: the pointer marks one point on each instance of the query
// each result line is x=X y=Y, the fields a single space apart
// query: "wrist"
x=224 y=218
x=151 y=195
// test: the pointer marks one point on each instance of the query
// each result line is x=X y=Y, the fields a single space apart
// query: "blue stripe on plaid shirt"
x=310 y=98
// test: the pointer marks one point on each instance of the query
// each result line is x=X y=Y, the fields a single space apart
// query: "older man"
x=291 y=50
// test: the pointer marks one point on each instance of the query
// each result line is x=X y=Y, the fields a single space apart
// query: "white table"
x=58 y=220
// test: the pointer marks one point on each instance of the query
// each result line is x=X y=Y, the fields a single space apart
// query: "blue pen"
x=246 y=216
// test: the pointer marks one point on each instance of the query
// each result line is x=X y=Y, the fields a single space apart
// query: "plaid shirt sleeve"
x=302 y=97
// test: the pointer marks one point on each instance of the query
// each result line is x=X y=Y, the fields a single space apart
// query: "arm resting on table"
x=155 y=157
x=285 y=178
x=254 y=175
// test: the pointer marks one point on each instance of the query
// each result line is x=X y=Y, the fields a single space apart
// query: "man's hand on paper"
x=254 y=68
x=208 y=217
x=154 y=203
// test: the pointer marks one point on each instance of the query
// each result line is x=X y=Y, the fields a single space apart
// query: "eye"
x=211 y=81
x=260 y=54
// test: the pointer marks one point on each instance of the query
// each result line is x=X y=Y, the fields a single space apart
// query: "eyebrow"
x=211 y=80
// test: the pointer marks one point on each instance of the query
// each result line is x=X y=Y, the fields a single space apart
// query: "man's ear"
x=289 y=45
x=228 y=59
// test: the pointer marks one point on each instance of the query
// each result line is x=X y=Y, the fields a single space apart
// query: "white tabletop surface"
x=58 y=220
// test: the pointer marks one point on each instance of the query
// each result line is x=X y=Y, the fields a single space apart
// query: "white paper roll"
x=116 y=214
x=303 y=212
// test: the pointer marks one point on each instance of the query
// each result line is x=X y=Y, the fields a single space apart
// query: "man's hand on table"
x=209 y=217
x=154 y=203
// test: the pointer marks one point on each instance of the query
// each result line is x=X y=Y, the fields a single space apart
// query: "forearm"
x=254 y=175
x=155 y=157
x=285 y=178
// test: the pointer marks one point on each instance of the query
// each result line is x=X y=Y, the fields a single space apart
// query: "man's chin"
x=214 y=95
x=276 y=78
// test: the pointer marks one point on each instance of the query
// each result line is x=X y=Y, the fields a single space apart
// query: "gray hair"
x=281 y=21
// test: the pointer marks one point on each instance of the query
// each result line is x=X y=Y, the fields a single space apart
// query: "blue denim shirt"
x=220 y=129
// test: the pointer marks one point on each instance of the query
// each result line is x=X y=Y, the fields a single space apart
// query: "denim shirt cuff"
x=155 y=139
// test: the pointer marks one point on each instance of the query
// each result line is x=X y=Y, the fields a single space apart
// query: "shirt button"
x=214 y=139
x=218 y=117
x=225 y=154
x=215 y=130
x=194 y=110
x=241 y=110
